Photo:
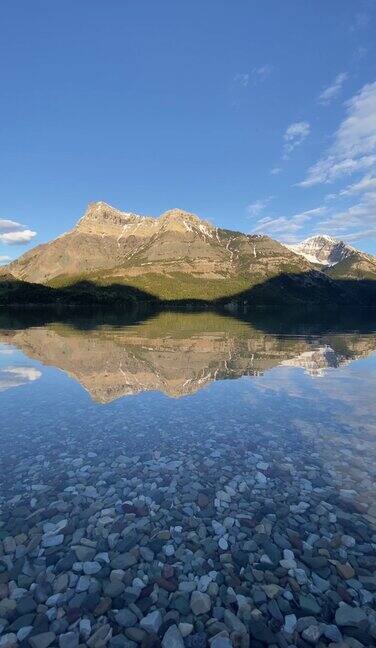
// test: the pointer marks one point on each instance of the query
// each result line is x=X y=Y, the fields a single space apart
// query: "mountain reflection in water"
x=175 y=353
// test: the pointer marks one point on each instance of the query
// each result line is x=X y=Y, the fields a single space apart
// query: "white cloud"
x=276 y=170
x=354 y=146
x=295 y=134
x=288 y=227
x=6 y=225
x=14 y=233
x=360 y=53
x=351 y=210
x=362 y=20
x=367 y=183
x=332 y=168
x=20 y=237
x=242 y=79
x=330 y=196
x=359 y=235
x=4 y=259
x=355 y=221
x=28 y=373
x=17 y=376
x=330 y=93
x=257 y=74
x=261 y=72
x=254 y=209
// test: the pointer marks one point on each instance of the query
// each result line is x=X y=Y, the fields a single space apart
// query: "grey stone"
x=125 y=618
x=234 y=623
x=221 y=642
x=52 y=540
x=123 y=561
x=68 y=640
x=146 y=554
x=91 y=567
x=172 y=638
x=350 y=616
x=119 y=641
x=85 y=628
x=312 y=634
x=332 y=633
x=290 y=623
x=309 y=604
x=321 y=584
x=42 y=640
x=200 y=603
x=9 y=544
x=100 y=637
x=152 y=622
x=305 y=622
x=83 y=553
x=83 y=584
x=185 y=629
x=8 y=640
x=114 y=588
x=24 y=632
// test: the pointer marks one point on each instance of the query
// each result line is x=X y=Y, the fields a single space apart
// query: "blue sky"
x=259 y=116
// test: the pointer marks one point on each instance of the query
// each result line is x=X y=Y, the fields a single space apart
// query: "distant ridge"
x=179 y=256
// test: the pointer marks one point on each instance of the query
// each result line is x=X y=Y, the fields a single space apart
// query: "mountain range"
x=114 y=255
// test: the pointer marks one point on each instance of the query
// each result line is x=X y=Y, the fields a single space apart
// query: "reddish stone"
x=169 y=585
x=103 y=606
x=343 y=593
x=168 y=571
x=203 y=500
x=296 y=542
x=294 y=585
x=73 y=614
x=146 y=591
x=346 y=571
x=151 y=641
x=142 y=511
x=248 y=522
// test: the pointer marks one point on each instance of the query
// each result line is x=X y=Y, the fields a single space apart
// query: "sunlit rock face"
x=120 y=245
x=177 y=354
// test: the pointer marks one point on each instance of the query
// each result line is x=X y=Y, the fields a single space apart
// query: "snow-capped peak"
x=323 y=249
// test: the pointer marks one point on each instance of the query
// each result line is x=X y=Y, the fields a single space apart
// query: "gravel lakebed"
x=233 y=536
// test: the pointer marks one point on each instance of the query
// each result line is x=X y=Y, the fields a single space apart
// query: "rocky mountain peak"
x=179 y=214
x=323 y=249
x=100 y=216
x=180 y=220
x=100 y=209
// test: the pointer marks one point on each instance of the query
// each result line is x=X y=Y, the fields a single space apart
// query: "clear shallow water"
x=191 y=419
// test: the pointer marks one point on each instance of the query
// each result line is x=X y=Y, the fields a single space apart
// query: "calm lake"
x=188 y=475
